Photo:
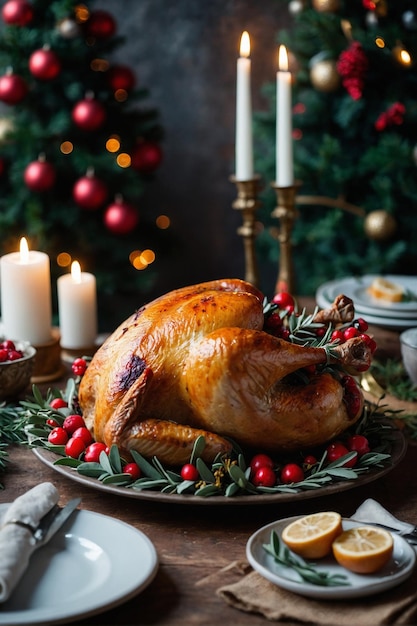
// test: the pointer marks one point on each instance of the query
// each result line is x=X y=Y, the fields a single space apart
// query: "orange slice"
x=384 y=289
x=312 y=536
x=364 y=549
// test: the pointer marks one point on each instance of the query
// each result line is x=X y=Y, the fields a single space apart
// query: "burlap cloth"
x=244 y=589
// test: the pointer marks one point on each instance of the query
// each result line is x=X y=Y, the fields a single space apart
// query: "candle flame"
x=245 y=44
x=24 y=250
x=76 y=272
x=283 y=59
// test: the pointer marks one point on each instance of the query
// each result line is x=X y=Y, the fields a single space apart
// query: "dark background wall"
x=185 y=52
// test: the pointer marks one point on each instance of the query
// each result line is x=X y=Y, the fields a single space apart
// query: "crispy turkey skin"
x=196 y=361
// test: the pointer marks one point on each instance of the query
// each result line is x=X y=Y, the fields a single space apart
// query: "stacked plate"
x=395 y=315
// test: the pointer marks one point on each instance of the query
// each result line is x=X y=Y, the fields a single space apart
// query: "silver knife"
x=53 y=520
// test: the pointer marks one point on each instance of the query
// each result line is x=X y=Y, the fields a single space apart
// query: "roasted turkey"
x=197 y=361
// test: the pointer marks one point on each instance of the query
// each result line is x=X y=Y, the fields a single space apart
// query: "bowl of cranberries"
x=17 y=360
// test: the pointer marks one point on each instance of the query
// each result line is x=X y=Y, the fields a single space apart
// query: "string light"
x=141 y=259
x=123 y=159
x=82 y=13
x=380 y=42
x=401 y=55
x=99 y=65
x=121 y=95
x=63 y=259
x=113 y=144
x=163 y=222
x=66 y=147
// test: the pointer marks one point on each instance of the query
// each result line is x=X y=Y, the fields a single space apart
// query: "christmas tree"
x=354 y=66
x=78 y=146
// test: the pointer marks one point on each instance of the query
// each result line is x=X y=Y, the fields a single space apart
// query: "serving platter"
x=398 y=569
x=85 y=569
x=399 y=446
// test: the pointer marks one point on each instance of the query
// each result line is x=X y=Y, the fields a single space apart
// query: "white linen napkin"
x=371 y=511
x=16 y=541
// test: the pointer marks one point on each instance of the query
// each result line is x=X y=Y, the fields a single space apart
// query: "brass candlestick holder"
x=285 y=212
x=247 y=202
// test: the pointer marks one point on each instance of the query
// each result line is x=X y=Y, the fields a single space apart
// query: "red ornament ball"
x=90 y=192
x=89 y=114
x=44 y=64
x=3 y=165
x=101 y=25
x=121 y=218
x=17 y=13
x=13 y=89
x=146 y=156
x=121 y=77
x=39 y=176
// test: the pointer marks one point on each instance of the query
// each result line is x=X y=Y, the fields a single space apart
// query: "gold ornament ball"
x=326 y=6
x=324 y=76
x=380 y=225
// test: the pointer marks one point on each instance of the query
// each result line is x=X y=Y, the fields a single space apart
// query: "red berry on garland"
x=58 y=403
x=72 y=422
x=84 y=434
x=146 y=157
x=58 y=436
x=350 y=332
x=39 y=175
x=284 y=299
x=13 y=88
x=337 y=335
x=74 y=447
x=121 y=77
x=336 y=450
x=89 y=192
x=101 y=25
x=189 y=472
x=133 y=469
x=264 y=477
x=359 y=444
x=292 y=473
x=93 y=451
x=361 y=324
x=44 y=64
x=261 y=460
x=89 y=114
x=79 y=366
x=121 y=218
x=17 y=13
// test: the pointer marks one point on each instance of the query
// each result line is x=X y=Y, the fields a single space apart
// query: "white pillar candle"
x=244 y=140
x=284 y=175
x=26 y=305
x=77 y=308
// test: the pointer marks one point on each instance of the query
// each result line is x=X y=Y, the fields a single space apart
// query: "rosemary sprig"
x=12 y=430
x=308 y=572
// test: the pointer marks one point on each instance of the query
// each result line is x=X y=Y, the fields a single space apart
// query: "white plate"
x=92 y=564
x=356 y=288
x=398 y=569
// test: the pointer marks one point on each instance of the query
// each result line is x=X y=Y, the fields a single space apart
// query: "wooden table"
x=195 y=542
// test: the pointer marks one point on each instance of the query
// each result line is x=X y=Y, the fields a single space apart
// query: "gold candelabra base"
x=48 y=364
x=247 y=202
x=286 y=213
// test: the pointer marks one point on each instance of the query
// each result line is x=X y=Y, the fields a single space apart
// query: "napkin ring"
x=19 y=522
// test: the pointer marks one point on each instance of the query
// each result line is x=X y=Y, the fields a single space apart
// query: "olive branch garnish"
x=227 y=476
x=307 y=571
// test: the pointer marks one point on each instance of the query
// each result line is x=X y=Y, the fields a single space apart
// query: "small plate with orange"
x=400 y=558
